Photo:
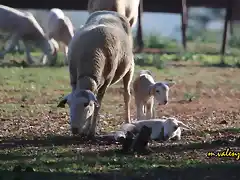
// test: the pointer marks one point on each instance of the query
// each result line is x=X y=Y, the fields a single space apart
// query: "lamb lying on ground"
x=146 y=90
x=162 y=129
x=128 y=8
x=60 y=28
x=100 y=54
x=23 y=25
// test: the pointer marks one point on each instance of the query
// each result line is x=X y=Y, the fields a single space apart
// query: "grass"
x=34 y=132
x=71 y=159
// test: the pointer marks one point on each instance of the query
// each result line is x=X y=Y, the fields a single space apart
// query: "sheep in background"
x=164 y=128
x=60 y=28
x=146 y=90
x=128 y=8
x=100 y=55
x=23 y=25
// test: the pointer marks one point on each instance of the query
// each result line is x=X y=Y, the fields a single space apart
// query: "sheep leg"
x=140 y=113
x=13 y=40
x=149 y=109
x=138 y=107
x=127 y=93
x=28 y=53
x=44 y=59
x=65 y=53
x=93 y=126
x=73 y=77
x=178 y=134
x=18 y=47
x=144 y=110
x=154 y=113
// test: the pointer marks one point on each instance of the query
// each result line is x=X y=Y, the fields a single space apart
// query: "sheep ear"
x=152 y=89
x=149 y=72
x=93 y=98
x=170 y=83
x=184 y=126
x=62 y=103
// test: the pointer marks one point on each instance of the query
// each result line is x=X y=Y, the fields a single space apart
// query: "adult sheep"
x=60 y=28
x=100 y=55
x=128 y=8
x=24 y=26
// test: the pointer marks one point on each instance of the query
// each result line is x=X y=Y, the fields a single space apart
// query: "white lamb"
x=146 y=91
x=100 y=54
x=23 y=25
x=60 y=28
x=128 y=8
x=164 y=128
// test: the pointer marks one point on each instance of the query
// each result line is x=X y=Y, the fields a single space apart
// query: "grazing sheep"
x=100 y=54
x=162 y=129
x=146 y=90
x=24 y=26
x=128 y=8
x=60 y=28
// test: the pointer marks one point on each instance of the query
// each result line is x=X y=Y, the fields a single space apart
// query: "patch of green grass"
x=190 y=96
x=203 y=59
x=229 y=130
x=73 y=159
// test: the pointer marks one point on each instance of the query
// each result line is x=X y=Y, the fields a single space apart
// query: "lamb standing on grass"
x=100 y=54
x=164 y=128
x=145 y=91
x=23 y=25
x=60 y=28
x=128 y=8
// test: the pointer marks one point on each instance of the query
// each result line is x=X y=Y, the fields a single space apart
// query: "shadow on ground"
x=198 y=172
x=56 y=141
x=229 y=139
x=25 y=65
x=52 y=154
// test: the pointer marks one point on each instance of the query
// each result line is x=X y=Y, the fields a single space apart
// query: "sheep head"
x=50 y=49
x=170 y=126
x=82 y=104
x=160 y=91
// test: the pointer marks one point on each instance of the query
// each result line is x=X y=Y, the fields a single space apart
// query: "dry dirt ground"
x=35 y=133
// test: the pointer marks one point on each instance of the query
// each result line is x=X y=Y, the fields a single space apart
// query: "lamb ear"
x=62 y=103
x=170 y=83
x=184 y=126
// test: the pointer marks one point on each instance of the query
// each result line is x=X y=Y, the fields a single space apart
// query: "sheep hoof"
x=29 y=169
x=176 y=138
x=90 y=137
x=61 y=104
